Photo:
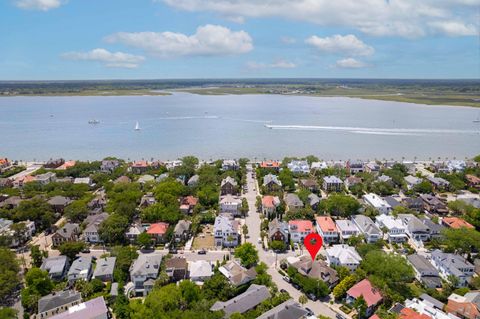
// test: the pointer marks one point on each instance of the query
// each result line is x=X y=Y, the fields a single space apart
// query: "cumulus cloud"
x=279 y=64
x=109 y=59
x=350 y=63
x=454 y=28
x=208 y=40
x=42 y=5
x=406 y=18
x=345 y=44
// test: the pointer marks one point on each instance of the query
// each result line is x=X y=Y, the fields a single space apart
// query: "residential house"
x=54 y=163
x=139 y=167
x=370 y=294
x=435 y=229
x=226 y=232
x=69 y=232
x=104 y=269
x=272 y=183
x=377 y=203
x=372 y=168
x=465 y=307
x=47 y=178
x=385 y=179
x=313 y=201
x=415 y=229
x=394 y=228
x=229 y=186
x=200 y=270
x=11 y=202
x=176 y=268
x=278 y=231
x=99 y=201
x=252 y=297
x=456 y=223
x=187 y=204
x=453 y=265
x=368 y=228
x=83 y=180
x=158 y=231
x=144 y=271
x=57 y=267
x=413 y=203
x=66 y=165
x=352 y=181
x=425 y=272
x=332 y=184
x=133 y=231
x=472 y=181
x=147 y=200
x=170 y=165
x=393 y=201
x=181 y=232
x=346 y=229
x=293 y=202
x=108 y=166
x=5 y=182
x=57 y=302
x=289 y=309
x=58 y=203
x=299 y=167
x=91 y=232
x=343 y=255
x=270 y=205
x=20 y=182
x=236 y=274
x=81 y=269
x=326 y=227
x=299 y=229
x=355 y=167
x=309 y=183
x=91 y=309
x=275 y=165
x=317 y=269
x=122 y=180
x=439 y=183
x=230 y=204
x=412 y=181
x=230 y=165
x=318 y=166
x=193 y=181
x=147 y=178
x=418 y=308
x=433 y=205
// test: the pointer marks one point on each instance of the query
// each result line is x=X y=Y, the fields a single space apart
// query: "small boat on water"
x=137 y=127
x=477 y=120
x=94 y=122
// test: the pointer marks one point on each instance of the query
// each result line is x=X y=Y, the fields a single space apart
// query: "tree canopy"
x=248 y=255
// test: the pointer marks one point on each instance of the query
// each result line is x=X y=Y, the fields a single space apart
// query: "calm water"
x=262 y=126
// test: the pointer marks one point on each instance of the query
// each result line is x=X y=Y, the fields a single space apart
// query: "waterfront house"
x=57 y=302
x=394 y=228
x=453 y=265
x=293 y=202
x=343 y=255
x=91 y=309
x=425 y=272
x=332 y=184
x=299 y=229
x=278 y=231
x=139 y=167
x=272 y=183
x=299 y=167
x=104 y=269
x=415 y=229
x=176 y=268
x=54 y=163
x=274 y=165
x=355 y=167
x=230 y=204
x=228 y=186
x=57 y=267
x=318 y=166
x=378 y=203
x=270 y=205
x=158 y=231
x=108 y=166
x=346 y=229
x=326 y=227
x=236 y=274
x=81 y=269
x=200 y=270
x=248 y=300
x=368 y=228
x=456 y=223
x=181 y=232
x=144 y=271
x=230 y=165
x=226 y=232
x=370 y=294
x=69 y=232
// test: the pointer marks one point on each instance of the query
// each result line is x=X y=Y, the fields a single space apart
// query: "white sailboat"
x=137 y=127
x=477 y=120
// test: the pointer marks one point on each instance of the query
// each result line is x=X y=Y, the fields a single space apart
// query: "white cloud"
x=42 y=5
x=109 y=59
x=406 y=18
x=345 y=44
x=350 y=63
x=279 y=64
x=208 y=40
x=454 y=28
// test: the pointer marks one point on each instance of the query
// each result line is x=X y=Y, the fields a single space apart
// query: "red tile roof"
x=268 y=201
x=364 y=288
x=471 y=178
x=190 y=200
x=157 y=229
x=466 y=309
x=326 y=223
x=270 y=164
x=408 y=313
x=3 y=161
x=456 y=223
x=66 y=165
x=303 y=226
x=140 y=164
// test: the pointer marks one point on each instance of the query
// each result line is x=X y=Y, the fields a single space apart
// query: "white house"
x=412 y=181
x=377 y=203
x=299 y=229
x=230 y=204
x=346 y=229
x=200 y=270
x=299 y=167
x=395 y=230
x=226 y=231
x=453 y=265
x=343 y=255
x=368 y=228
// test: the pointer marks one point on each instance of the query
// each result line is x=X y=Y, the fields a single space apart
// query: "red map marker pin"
x=313 y=242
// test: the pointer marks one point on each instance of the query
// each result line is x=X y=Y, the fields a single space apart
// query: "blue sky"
x=154 y=39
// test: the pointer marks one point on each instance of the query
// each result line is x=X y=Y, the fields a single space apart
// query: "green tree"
x=245 y=231
x=303 y=299
x=237 y=315
x=37 y=210
x=286 y=177
x=144 y=240
x=218 y=287
x=247 y=253
x=9 y=273
x=341 y=289
x=244 y=208
x=425 y=187
x=38 y=284
x=77 y=211
x=340 y=205
x=278 y=245
x=71 y=248
x=160 y=212
x=125 y=256
x=37 y=255
x=112 y=230
x=361 y=306
x=8 y=313
x=462 y=241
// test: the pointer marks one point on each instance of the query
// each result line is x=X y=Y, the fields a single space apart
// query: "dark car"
x=339 y=316
x=173 y=251
x=309 y=311
x=202 y=252
x=312 y=297
x=86 y=250
x=283 y=291
x=296 y=286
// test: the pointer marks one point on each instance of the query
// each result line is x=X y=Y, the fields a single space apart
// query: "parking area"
x=204 y=239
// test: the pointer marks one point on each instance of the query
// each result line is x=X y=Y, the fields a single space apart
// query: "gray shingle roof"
x=421 y=264
x=58 y=299
x=104 y=267
x=290 y=309
x=366 y=225
x=146 y=264
x=252 y=297
x=54 y=264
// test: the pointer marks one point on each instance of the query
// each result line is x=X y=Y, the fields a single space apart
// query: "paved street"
x=253 y=222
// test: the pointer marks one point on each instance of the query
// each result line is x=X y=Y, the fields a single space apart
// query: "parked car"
x=173 y=250
x=86 y=250
x=309 y=311
x=312 y=297
x=296 y=286
x=287 y=279
x=339 y=316
x=202 y=252
x=283 y=291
